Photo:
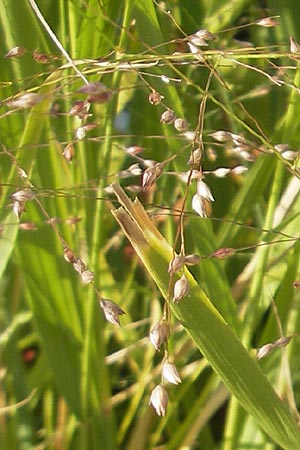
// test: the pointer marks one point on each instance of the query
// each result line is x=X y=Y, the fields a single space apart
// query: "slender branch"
x=54 y=38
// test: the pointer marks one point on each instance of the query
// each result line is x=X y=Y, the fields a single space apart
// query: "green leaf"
x=212 y=335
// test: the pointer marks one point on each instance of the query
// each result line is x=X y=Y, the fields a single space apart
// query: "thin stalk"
x=55 y=39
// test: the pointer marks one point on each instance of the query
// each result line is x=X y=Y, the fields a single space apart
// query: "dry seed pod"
x=151 y=174
x=239 y=170
x=69 y=152
x=78 y=265
x=181 y=289
x=69 y=255
x=18 y=208
x=80 y=133
x=167 y=117
x=134 y=150
x=22 y=173
x=73 y=220
x=281 y=147
x=198 y=205
x=221 y=172
x=41 y=57
x=294 y=46
x=283 y=341
x=290 y=155
x=133 y=171
x=23 y=196
x=78 y=108
x=111 y=311
x=202 y=35
x=176 y=264
x=25 y=101
x=264 y=351
x=159 y=334
x=87 y=276
x=203 y=190
x=155 y=98
x=169 y=373
x=180 y=124
x=15 y=52
x=90 y=126
x=191 y=260
x=195 y=157
x=159 y=400
x=190 y=135
x=224 y=252
x=267 y=22
x=221 y=136
x=93 y=88
x=28 y=226
x=100 y=98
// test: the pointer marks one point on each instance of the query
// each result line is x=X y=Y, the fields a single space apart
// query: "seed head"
x=159 y=400
x=267 y=22
x=69 y=152
x=200 y=38
x=176 y=264
x=132 y=171
x=223 y=252
x=195 y=157
x=69 y=255
x=93 y=88
x=159 y=334
x=168 y=116
x=283 y=341
x=15 y=52
x=155 y=98
x=181 y=289
x=191 y=260
x=28 y=226
x=79 y=109
x=169 y=373
x=80 y=133
x=221 y=172
x=134 y=150
x=290 y=155
x=22 y=173
x=180 y=124
x=78 y=265
x=87 y=276
x=221 y=136
x=100 y=98
x=41 y=57
x=111 y=311
x=198 y=205
x=264 y=351
x=239 y=170
x=151 y=174
x=203 y=190
x=18 y=208
x=25 y=101
x=294 y=46
x=23 y=196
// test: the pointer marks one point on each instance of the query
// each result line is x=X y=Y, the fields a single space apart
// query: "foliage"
x=69 y=379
